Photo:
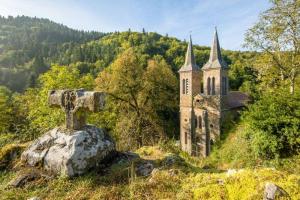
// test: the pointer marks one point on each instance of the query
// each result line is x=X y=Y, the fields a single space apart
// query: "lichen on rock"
x=69 y=153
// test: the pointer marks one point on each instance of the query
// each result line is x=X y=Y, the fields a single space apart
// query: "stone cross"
x=75 y=104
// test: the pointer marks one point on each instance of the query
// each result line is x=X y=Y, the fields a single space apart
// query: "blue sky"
x=176 y=17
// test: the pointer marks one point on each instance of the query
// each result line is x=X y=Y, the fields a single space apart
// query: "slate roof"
x=189 y=64
x=215 y=58
x=236 y=99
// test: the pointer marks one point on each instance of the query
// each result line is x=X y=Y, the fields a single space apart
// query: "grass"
x=233 y=152
x=185 y=179
x=9 y=153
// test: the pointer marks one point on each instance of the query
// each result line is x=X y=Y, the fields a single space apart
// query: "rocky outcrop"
x=172 y=159
x=68 y=152
x=144 y=169
x=272 y=191
x=22 y=179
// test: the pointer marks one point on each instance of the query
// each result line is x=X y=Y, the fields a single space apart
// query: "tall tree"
x=141 y=95
x=277 y=35
x=39 y=114
x=5 y=109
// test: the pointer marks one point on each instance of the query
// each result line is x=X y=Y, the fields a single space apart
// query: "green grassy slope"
x=185 y=179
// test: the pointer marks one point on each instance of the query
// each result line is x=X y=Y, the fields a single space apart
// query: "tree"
x=38 y=65
x=40 y=116
x=277 y=35
x=139 y=95
x=6 y=110
x=274 y=125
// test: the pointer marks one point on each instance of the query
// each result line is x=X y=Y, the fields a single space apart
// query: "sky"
x=177 y=18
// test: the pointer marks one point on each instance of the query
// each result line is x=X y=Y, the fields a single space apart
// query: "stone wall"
x=217 y=74
x=186 y=110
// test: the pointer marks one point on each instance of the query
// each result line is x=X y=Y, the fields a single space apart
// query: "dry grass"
x=180 y=181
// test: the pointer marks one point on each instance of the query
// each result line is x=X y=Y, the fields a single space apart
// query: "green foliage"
x=180 y=181
x=141 y=98
x=7 y=139
x=274 y=125
x=8 y=153
x=6 y=110
x=276 y=35
x=269 y=129
x=28 y=46
x=242 y=75
x=210 y=192
x=234 y=151
x=35 y=101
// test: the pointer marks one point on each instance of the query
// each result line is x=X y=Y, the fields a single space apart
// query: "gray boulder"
x=24 y=178
x=70 y=152
x=272 y=191
x=144 y=169
x=172 y=159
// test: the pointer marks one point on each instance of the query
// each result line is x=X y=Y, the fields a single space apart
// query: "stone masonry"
x=205 y=100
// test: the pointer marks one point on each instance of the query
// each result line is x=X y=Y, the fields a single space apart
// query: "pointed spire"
x=215 y=58
x=189 y=57
x=215 y=51
x=189 y=63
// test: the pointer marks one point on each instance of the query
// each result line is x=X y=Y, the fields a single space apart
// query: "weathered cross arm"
x=75 y=104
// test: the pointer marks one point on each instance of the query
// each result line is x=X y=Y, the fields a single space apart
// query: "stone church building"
x=205 y=100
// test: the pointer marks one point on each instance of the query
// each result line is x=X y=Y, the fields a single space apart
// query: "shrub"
x=8 y=153
x=274 y=125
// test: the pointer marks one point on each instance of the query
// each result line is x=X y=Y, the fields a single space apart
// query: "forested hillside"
x=30 y=46
x=27 y=46
x=138 y=72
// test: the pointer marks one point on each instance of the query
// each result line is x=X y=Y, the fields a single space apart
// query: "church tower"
x=204 y=109
x=189 y=75
x=215 y=83
x=215 y=71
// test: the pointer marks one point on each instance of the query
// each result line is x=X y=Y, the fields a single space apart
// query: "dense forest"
x=28 y=46
x=35 y=52
x=139 y=72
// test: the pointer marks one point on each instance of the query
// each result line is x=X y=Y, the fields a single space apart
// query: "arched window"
x=183 y=86
x=208 y=86
x=201 y=88
x=185 y=137
x=200 y=122
x=213 y=91
x=187 y=86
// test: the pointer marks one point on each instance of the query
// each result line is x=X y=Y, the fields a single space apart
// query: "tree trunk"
x=139 y=132
x=292 y=82
x=292 y=86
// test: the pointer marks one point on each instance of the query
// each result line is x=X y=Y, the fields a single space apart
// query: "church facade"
x=205 y=100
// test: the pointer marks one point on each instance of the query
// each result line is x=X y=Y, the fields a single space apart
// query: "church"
x=205 y=100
